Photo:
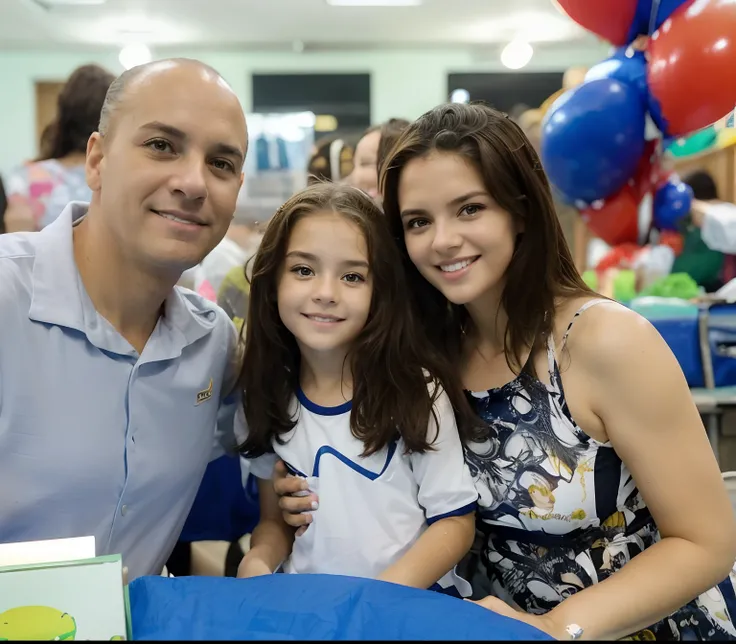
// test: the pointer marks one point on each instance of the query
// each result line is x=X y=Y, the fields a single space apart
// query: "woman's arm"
x=442 y=545
x=272 y=539
x=638 y=391
x=717 y=221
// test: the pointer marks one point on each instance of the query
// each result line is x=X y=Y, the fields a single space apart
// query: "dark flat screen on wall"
x=347 y=97
x=505 y=90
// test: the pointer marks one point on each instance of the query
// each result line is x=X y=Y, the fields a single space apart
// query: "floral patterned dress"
x=47 y=187
x=559 y=511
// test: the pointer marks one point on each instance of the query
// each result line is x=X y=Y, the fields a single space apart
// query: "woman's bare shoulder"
x=606 y=333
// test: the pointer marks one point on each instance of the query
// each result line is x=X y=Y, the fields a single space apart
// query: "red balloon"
x=617 y=220
x=647 y=174
x=692 y=65
x=610 y=19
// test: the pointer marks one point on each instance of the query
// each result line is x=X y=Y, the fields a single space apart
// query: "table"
x=688 y=335
x=711 y=404
x=308 y=607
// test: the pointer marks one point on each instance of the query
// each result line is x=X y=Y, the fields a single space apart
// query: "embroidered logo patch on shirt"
x=205 y=394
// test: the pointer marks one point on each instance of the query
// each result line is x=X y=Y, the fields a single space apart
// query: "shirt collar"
x=59 y=298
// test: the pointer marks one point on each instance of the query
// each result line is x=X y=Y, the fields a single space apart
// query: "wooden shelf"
x=720 y=163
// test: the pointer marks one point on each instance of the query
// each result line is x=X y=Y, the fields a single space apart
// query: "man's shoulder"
x=17 y=255
x=18 y=245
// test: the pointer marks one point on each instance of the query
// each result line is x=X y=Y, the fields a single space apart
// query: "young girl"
x=601 y=504
x=340 y=385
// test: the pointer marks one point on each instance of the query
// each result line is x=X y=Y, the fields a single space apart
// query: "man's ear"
x=94 y=161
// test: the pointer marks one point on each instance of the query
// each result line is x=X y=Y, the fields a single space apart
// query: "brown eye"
x=471 y=209
x=159 y=145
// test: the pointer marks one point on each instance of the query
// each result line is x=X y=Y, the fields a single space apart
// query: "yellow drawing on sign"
x=36 y=623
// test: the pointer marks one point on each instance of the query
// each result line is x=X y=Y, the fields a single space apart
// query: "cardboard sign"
x=68 y=600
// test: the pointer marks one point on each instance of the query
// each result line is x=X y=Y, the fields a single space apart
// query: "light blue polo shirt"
x=96 y=439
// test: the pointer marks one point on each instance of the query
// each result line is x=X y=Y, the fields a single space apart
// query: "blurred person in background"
x=390 y=132
x=715 y=218
x=517 y=110
x=46 y=144
x=365 y=163
x=38 y=191
x=234 y=288
x=704 y=262
x=573 y=77
x=239 y=244
x=531 y=123
x=367 y=154
x=3 y=207
x=332 y=160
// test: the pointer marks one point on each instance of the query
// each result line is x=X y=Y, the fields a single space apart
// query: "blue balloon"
x=643 y=17
x=671 y=203
x=593 y=139
x=625 y=65
x=655 y=112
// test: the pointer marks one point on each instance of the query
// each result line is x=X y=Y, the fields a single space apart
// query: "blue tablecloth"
x=308 y=607
x=681 y=334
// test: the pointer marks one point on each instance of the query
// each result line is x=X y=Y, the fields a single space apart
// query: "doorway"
x=47 y=96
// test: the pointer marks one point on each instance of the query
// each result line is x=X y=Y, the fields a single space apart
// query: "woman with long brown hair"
x=601 y=505
x=38 y=191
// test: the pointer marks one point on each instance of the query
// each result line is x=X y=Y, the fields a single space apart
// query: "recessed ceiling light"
x=67 y=3
x=460 y=96
x=375 y=3
x=134 y=54
x=517 y=54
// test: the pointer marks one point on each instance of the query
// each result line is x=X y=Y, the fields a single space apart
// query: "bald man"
x=113 y=380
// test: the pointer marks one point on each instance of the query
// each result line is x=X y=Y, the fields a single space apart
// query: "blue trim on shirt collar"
x=466 y=509
x=326 y=449
x=319 y=409
x=293 y=471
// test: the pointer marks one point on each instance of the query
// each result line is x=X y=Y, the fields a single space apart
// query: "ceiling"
x=282 y=24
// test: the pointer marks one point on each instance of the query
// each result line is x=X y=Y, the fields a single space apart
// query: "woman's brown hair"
x=541 y=269
x=391 y=360
x=78 y=111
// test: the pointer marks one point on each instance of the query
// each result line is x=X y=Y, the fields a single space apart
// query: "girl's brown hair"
x=391 y=360
x=542 y=267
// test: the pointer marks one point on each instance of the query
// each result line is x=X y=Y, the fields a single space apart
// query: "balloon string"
x=653 y=15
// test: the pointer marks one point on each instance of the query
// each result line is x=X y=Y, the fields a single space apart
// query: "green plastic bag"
x=624 y=284
x=679 y=285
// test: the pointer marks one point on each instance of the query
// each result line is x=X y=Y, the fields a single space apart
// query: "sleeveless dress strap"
x=551 y=359
x=578 y=313
x=551 y=345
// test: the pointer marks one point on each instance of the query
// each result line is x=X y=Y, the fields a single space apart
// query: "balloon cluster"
x=673 y=72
